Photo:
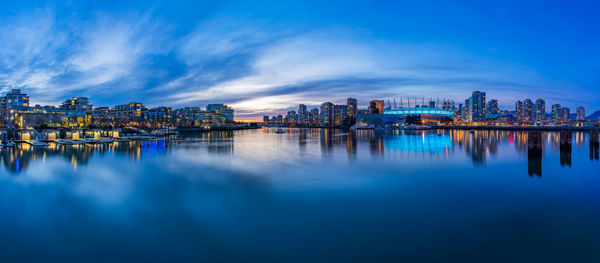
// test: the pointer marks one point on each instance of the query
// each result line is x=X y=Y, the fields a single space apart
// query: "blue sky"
x=265 y=57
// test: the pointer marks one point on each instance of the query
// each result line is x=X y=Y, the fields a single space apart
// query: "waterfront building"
x=222 y=109
x=13 y=102
x=315 y=112
x=540 y=110
x=93 y=134
x=302 y=113
x=556 y=113
x=291 y=117
x=581 y=113
x=340 y=114
x=74 y=134
x=519 y=111
x=565 y=114
x=327 y=114
x=50 y=135
x=77 y=104
x=132 y=110
x=477 y=107
x=466 y=113
x=492 y=107
x=351 y=108
x=50 y=117
x=528 y=110
x=420 y=115
x=376 y=106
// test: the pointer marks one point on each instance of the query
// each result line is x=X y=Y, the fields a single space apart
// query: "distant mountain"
x=595 y=116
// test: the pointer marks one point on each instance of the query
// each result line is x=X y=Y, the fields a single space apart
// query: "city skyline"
x=268 y=58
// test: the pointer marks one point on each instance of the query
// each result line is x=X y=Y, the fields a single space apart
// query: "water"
x=307 y=195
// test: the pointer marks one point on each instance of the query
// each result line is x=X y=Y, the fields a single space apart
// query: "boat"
x=279 y=131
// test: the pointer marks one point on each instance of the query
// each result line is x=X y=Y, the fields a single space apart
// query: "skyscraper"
x=351 y=107
x=302 y=114
x=492 y=107
x=447 y=106
x=340 y=113
x=466 y=114
x=327 y=114
x=580 y=113
x=540 y=110
x=528 y=110
x=376 y=107
x=432 y=104
x=556 y=113
x=566 y=114
x=519 y=111
x=477 y=106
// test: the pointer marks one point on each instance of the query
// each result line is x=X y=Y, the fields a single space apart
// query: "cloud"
x=256 y=65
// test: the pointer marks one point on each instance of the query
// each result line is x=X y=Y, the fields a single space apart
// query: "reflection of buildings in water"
x=376 y=144
x=330 y=138
x=351 y=145
x=580 y=139
x=565 y=147
x=221 y=142
x=478 y=143
x=302 y=138
x=17 y=159
x=419 y=141
x=535 y=150
x=594 y=144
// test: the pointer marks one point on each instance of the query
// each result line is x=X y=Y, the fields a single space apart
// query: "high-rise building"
x=556 y=113
x=13 y=102
x=492 y=107
x=302 y=113
x=466 y=114
x=540 y=110
x=519 y=111
x=340 y=112
x=477 y=106
x=432 y=104
x=566 y=114
x=351 y=107
x=447 y=106
x=327 y=114
x=291 y=117
x=528 y=110
x=376 y=107
x=580 y=113
x=315 y=116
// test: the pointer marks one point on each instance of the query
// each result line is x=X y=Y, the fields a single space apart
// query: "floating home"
x=50 y=135
x=93 y=134
x=74 y=134
x=25 y=135
x=114 y=133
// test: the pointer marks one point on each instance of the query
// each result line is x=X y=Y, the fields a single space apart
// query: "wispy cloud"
x=257 y=65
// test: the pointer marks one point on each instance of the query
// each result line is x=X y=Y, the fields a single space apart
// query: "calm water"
x=308 y=195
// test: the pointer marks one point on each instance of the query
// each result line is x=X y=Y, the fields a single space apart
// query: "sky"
x=266 y=57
